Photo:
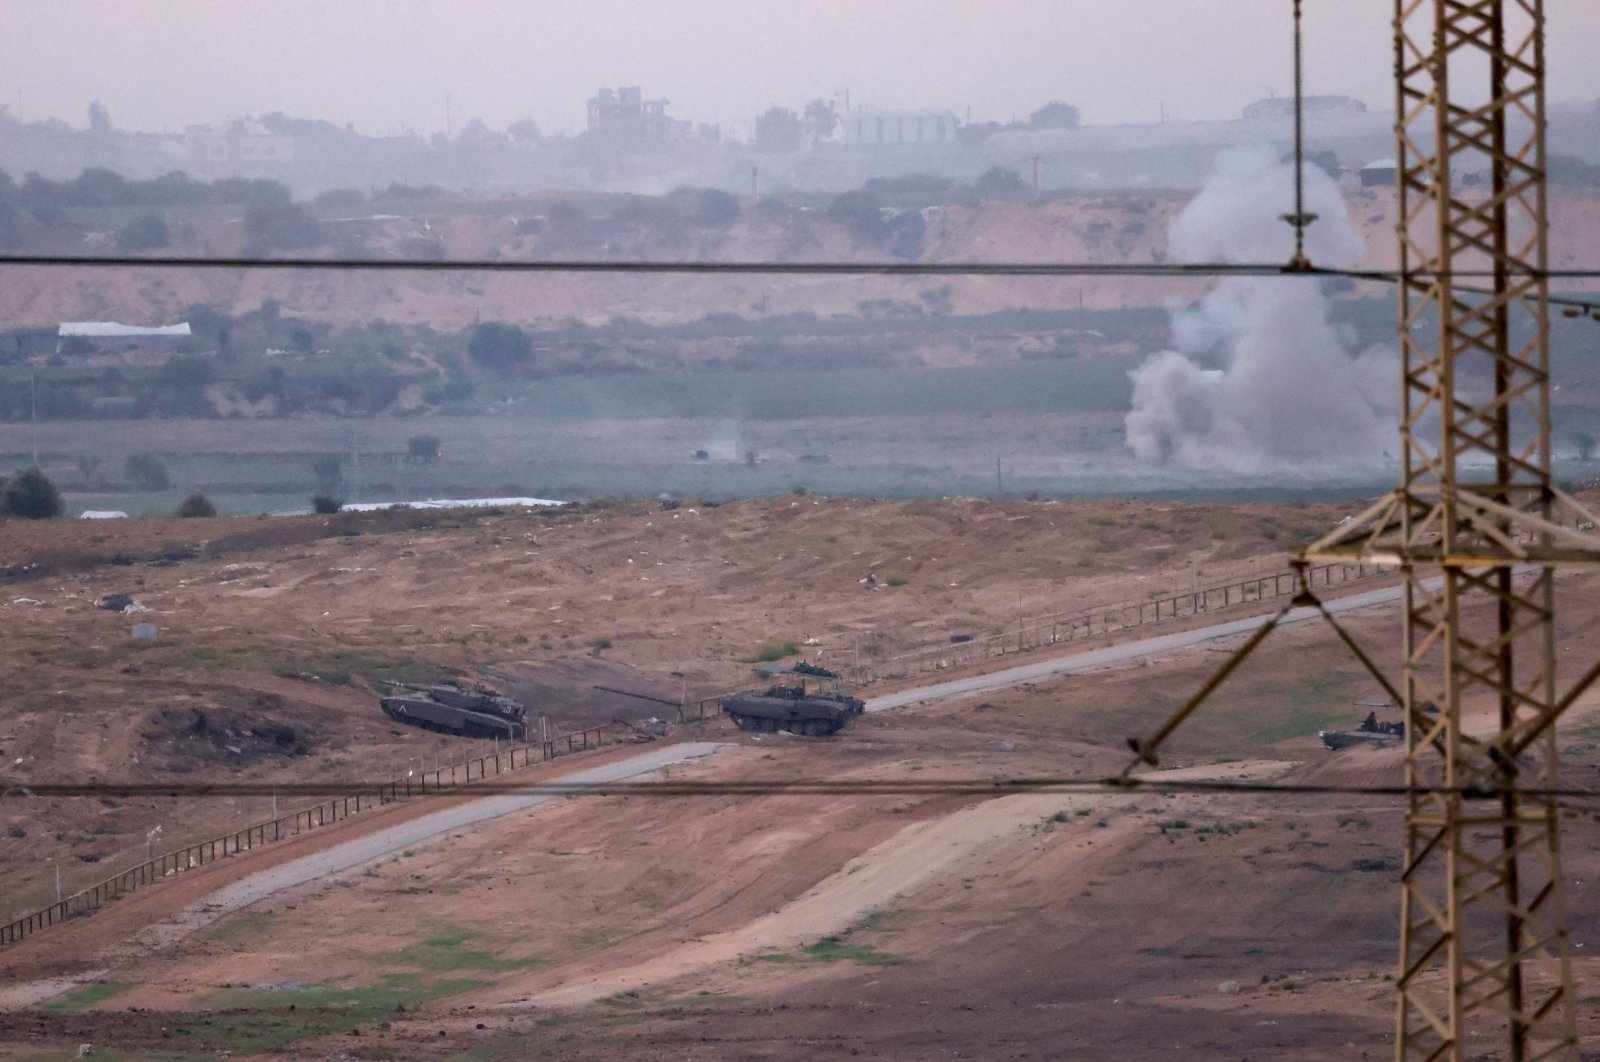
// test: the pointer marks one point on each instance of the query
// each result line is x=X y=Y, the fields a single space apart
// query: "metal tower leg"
x=1479 y=528
x=1483 y=949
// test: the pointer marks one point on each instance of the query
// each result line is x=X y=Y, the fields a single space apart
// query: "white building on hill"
x=868 y=125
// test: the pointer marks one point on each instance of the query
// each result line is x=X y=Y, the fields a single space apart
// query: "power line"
x=913 y=269
x=757 y=787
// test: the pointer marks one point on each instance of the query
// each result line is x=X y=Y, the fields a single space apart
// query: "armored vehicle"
x=793 y=709
x=1370 y=732
x=475 y=710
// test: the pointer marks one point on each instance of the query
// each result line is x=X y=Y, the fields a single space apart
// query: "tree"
x=821 y=119
x=500 y=346
x=997 y=182
x=273 y=221
x=780 y=129
x=1054 y=115
x=423 y=448
x=860 y=214
x=147 y=232
x=29 y=495
x=1569 y=169
x=99 y=119
x=185 y=372
x=1585 y=442
x=524 y=131
x=348 y=199
x=148 y=471
x=714 y=209
x=196 y=504
x=325 y=503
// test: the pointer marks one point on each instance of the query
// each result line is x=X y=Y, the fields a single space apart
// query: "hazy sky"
x=384 y=64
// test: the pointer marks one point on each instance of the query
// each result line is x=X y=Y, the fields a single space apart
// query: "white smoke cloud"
x=1291 y=388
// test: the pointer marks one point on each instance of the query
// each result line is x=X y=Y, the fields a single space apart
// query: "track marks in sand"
x=871 y=881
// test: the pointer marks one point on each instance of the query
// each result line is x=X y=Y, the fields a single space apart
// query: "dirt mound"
x=201 y=737
x=566 y=691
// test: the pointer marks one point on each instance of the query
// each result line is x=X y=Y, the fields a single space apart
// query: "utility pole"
x=1036 y=175
x=1479 y=527
x=999 y=482
x=755 y=182
x=33 y=412
x=1483 y=937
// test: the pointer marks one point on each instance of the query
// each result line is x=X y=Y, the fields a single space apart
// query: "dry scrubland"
x=281 y=630
x=779 y=926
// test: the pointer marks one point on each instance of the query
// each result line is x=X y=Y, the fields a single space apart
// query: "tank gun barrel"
x=640 y=696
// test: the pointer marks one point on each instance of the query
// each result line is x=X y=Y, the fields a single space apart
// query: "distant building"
x=243 y=148
x=869 y=125
x=1381 y=173
x=110 y=337
x=1315 y=107
x=625 y=118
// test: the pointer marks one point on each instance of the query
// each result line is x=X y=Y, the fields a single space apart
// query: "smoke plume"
x=1289 y=387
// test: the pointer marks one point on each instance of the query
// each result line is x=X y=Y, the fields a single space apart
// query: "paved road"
x=1117 y=654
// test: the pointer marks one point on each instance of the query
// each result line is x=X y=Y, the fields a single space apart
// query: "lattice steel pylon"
x=1480 y=528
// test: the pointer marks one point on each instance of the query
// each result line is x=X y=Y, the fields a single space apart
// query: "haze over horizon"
x=389 y=65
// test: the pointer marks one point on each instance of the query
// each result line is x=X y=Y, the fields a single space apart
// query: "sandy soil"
x=867 y=884
x=286 y=627
x=783 y=927
x=777 y=926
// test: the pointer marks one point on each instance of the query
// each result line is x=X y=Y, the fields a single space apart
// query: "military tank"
x=792 y=708
x=452 y=708
x=1371 y=731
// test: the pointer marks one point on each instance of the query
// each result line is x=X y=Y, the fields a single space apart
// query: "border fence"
x=1038 y=632
x=1103 y=621
x=501 y=760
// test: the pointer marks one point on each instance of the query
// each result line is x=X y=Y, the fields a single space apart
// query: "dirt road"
x=350 y=854
x=1116 y=654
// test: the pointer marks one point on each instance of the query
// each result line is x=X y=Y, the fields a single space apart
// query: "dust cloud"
x=1261 y=376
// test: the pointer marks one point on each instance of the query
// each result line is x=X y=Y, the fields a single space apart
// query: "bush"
x=185 y=372
x=196 y=504
x=860 y=215
x=273 y=221
x=148 y=471
x=29 y=495
x=325 y=503
x=767 y=652
x=1055 y=115
x=998 y=182
x=896 y=579
x=499 y=346
x=424 y=448
x=714 y=208
x=144 y=233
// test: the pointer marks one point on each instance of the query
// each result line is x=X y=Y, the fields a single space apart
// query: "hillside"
x=767 y=924
x=285 y=628
x=1103 y=228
